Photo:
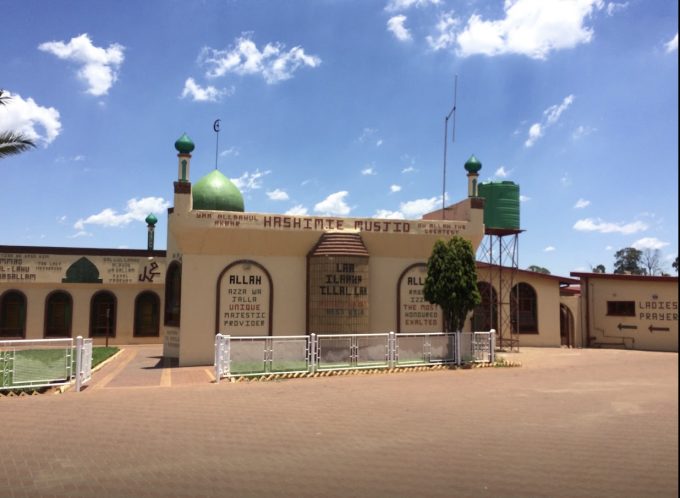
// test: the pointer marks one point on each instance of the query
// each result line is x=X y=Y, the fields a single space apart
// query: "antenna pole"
x=216 y=128
x=451 y=113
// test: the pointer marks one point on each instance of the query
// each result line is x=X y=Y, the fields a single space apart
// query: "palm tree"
x=12 y=142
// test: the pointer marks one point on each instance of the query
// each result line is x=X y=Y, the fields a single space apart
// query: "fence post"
x=492 y=347
x=79 y=362
x=312 y=352
x=218 y=357
x=457 y=342
x=392 y=350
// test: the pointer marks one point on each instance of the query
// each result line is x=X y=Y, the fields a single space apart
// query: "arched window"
x=58 y=313
x=524 y=309
x=173 y=294
x=103 y=315
x=485 y=314
x=13 y=315
x=147 y=314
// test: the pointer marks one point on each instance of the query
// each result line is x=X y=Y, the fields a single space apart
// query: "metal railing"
x=29 y=364
x=256 y=356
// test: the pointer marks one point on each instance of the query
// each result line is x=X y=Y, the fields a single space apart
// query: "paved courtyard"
x=567 y=423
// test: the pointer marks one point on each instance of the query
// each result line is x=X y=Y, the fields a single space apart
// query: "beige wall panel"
x=656 y=306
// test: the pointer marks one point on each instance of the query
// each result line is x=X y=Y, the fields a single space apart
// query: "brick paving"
x=567 y=423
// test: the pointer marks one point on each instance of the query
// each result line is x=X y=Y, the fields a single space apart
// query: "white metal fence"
x=28 y=364
x=253 y=356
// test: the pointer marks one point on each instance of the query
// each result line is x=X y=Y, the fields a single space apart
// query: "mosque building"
x=242 y=273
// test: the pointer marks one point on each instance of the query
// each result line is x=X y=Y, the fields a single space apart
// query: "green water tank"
x=501 y=204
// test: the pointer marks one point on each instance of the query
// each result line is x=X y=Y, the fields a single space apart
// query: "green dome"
x=216 y=192
x=473 y=165
x=184 y=145
x=151 y=220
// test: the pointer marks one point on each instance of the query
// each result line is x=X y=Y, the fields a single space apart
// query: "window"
x=524 y=309
x=103 y=315
x=621 y=308
x=147 y=314
x=485 y=314
x=58 y=312
x=173 y=294
x=13 y=315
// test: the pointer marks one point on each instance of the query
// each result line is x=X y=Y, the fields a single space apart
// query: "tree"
x=628 y=261
x=451 y=281
x=675 y=264
x=539 y=269
x=599 y=269
x=651 y=262
x=12 y=142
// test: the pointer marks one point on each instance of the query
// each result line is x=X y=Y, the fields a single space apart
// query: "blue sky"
x=337 y=107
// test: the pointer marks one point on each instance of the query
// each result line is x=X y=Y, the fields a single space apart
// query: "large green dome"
x=216 y=192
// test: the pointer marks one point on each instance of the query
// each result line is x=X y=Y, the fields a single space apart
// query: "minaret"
x=473 y=166
x=151 y=221
x=184 y=146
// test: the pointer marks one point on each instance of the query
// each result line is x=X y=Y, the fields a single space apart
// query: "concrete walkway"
x=143 y=366
x=567 y=423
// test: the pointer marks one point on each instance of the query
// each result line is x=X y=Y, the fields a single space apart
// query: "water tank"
x=501 y=204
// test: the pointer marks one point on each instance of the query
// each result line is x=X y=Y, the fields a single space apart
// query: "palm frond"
x=13 y=143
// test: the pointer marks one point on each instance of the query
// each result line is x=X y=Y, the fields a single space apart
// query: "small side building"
x=631 y=311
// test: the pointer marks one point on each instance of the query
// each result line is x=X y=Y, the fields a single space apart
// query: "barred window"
x=620 y=308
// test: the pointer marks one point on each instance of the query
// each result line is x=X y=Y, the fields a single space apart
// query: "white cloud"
x=416 y=209
x=298 y=210
x=446 y=32
x=598 y=225
x=379 y=142
x=231 y=151
x=613 y=7
x=396 y=26
x=273 y=62
x=395 y=188
x=524 y=198
x=535 y=133
x=250 y=181
x=554 y=112
x=135 y=210
x=99 y=66
x=385 y=214
x=549 y=249
x=672 y=45
x=609 y=248
x=203 y=94
x=79 y=234
x=277 y=195
x=533 y=28
x=409 y=169
x=398 y=5
x=582 y=131
x=649 y=243
x=366 y=134
x=502 y=172
x=334 y=204
x=550 y=116
x=24 y=116
x=565 y=180
x=581 y=203
x=368 y=171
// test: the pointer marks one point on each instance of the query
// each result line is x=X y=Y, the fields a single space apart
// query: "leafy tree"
x=628 y=260
x=12 y=142
x=539 y=269
x=675 y=264
x=651 y=262
x=599 y=269
x=451 y=281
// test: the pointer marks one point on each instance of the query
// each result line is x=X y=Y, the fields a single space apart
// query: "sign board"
x=415 y=313
x=244 y=293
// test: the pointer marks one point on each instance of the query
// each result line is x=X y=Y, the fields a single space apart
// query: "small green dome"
x=216 y=192
x=473 y=165
x=184 y=145
x=151 y=220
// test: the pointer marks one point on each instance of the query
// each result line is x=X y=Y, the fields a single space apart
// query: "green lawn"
x=37 y=365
